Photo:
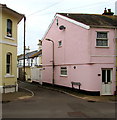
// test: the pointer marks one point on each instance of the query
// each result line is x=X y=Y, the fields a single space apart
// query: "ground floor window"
x=63 y=71
x=8 y=63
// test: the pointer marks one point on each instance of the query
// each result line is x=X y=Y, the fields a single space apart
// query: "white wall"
x=116 y=8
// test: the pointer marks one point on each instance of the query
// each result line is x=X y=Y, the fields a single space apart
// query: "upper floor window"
x=102 y=39
x=9 y=28
x=8 y=63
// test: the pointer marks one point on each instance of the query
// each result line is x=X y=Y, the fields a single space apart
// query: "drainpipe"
x=24 y=45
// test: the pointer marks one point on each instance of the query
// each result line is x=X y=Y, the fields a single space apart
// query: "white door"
x=36 y=75
x=106 y=81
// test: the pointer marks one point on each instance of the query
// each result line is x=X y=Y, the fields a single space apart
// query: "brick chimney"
x=108 y=12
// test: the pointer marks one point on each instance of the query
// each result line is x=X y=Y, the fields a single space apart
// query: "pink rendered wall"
x=103 y=57
x=73 y=39
x=78 y=49
x=102 y=54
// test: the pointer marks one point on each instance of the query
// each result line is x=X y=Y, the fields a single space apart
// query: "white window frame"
x=106 y=39
x=111 y=70
x=63 y=69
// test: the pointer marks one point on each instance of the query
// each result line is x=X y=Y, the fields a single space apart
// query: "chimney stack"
x=40 y=45
x=27 y=49
x=108 y=12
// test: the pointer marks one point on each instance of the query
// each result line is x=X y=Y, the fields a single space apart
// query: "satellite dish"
x=62 y=27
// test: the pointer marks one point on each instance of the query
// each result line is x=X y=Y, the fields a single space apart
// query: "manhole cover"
x=91 y=101
x=5 y=102
x=77 y=114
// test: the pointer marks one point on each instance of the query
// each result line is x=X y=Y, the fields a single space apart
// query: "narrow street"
x=52 y=104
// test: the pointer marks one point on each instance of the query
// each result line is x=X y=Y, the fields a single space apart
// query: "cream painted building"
x=9 y=20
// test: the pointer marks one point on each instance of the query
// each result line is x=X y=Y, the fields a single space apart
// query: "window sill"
x=63 y=75
x=9 y=76
x=102 y=46
x=10 y=38
x=60 y=46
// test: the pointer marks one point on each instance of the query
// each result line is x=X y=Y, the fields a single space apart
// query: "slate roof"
x=93 y=20
x=39 y=53
x=28 y=55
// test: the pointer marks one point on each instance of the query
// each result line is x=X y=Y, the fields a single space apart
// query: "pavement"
x=24 y=93
x=21 y=94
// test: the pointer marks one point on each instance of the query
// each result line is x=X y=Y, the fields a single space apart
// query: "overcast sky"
x=39 y=14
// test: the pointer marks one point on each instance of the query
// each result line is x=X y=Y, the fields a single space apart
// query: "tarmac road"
x=52 y=104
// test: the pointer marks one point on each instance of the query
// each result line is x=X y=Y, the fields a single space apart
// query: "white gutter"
x=74 y=22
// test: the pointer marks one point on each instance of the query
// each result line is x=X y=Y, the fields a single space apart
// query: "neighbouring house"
x=32 y=59
x=79 y=52
x=116 y=42
x=116 y=8
x=9 y=20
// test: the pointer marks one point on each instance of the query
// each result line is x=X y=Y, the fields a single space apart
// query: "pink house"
x=79 y=50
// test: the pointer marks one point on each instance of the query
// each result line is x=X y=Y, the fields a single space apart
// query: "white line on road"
x=27 y=90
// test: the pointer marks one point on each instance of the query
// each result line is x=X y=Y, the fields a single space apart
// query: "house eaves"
x=109 y=27
x=87 y=21
x=74 y=22
x=65 y=18
x=12 y=12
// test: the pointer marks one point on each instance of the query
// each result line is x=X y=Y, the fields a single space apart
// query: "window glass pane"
x=9 y=28
x=103 y=75
x=60 y=43
x=104 y=43
x=101 y=35
x=8 y=69
x=8 y=59
x=9 y=24
x=98 y=43
x=101 y=42
x=63 y=68
x=8 y=63
x=108 y=75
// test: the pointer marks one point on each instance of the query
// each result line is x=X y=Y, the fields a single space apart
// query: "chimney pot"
x=109 y=10
x=105 y=11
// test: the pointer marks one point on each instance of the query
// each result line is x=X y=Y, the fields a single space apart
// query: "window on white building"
x=102 y=39
x=8 y=63
x=63 y=71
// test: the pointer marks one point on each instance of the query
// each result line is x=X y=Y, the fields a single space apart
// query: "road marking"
x=24 y=97
x=27 y=90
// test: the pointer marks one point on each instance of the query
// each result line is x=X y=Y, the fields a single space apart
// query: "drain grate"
x=77 y=114
x=3 y=102
x=91 y=101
